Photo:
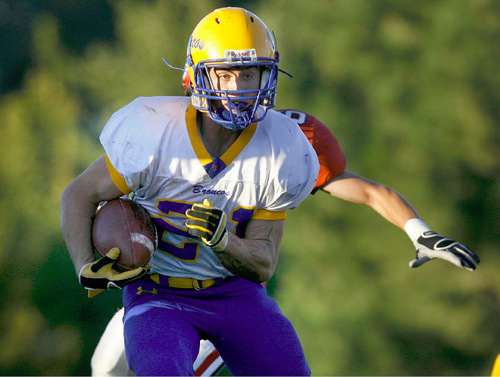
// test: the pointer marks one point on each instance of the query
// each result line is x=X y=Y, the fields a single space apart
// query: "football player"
x=217 y=172
x=336 y=181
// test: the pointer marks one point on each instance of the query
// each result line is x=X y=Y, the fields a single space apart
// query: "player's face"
x=246 y=78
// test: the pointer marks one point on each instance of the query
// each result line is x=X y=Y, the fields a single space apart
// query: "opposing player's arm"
x=396 y=209
x=335 y=180
x=79 y=202
x=387 y=202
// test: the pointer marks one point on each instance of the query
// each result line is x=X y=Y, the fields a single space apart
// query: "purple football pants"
x=163 y=327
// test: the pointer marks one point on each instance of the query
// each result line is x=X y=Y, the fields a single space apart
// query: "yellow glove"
x=208 y=223
x=100 y=275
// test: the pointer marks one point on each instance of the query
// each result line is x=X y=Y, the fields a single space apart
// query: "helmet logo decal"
x=197 y=43
x=229 y=55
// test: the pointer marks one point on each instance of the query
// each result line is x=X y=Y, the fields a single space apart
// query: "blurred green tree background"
x=410 y=88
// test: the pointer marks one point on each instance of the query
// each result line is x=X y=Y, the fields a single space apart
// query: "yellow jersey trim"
x=196 y=141
x=264 y=214
x=118 y=180
x=199 y=148
x=240 y=143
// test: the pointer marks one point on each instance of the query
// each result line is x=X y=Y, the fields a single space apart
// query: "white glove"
x=431 y=245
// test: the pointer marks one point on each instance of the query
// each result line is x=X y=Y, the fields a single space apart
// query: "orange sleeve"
x=331 y=158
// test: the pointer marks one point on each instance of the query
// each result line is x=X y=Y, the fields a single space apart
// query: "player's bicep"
x=349 y=186
x=95 y=183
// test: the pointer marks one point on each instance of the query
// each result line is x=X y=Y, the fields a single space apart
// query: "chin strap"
x=232 y=121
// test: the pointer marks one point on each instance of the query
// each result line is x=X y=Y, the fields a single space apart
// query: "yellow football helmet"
x=232 y=37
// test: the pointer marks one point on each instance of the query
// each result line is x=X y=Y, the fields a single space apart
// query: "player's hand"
x=208 y=223
x=100 y=275
x=431 y=245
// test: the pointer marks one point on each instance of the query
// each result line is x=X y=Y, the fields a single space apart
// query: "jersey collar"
x=217 y=165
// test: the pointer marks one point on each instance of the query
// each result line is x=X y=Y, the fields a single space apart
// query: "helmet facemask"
x=241 y=106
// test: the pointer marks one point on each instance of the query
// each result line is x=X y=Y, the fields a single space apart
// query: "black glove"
x=208 y=223
x=431 y=245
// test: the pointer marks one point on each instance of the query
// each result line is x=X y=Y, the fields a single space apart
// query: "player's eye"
x=248 y=76
x=224 y=77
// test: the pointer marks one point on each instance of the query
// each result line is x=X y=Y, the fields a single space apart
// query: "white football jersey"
x=154 y=144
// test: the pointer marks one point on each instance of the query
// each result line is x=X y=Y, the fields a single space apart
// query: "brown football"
x=127 y=225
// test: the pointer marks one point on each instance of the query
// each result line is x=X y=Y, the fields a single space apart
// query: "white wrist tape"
x=415 y=227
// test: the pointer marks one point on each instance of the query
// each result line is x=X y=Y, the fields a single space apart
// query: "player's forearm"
x=247 y=259
x=76 y=223
x=255 y=257
x=383 y=199
x=391 y=205
x=79 y=201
